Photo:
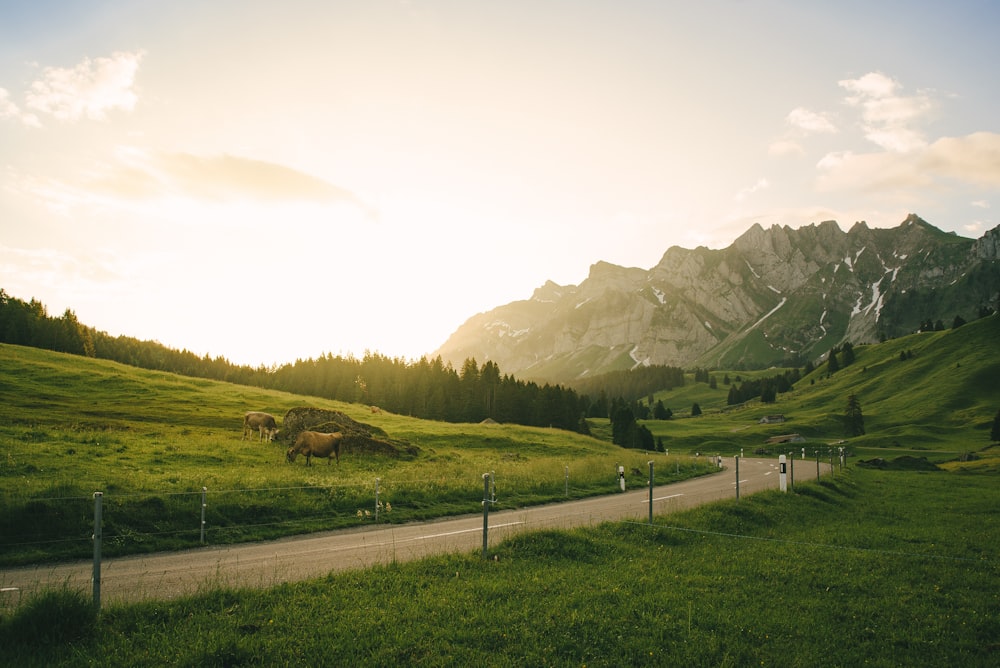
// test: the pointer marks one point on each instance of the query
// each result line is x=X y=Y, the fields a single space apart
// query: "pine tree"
x=833 y=365
x=847 y=353
x=995 y=432
x=695 y=410
x=854 y=421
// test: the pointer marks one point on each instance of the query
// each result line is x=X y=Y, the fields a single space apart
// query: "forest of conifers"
x=423 y=388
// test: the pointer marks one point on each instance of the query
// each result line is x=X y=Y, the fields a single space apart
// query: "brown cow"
x=316 y=444
x=263 y=423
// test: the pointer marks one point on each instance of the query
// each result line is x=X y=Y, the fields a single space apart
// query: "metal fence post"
x=98 y=521
x=737 y=476
x=651 y=491
x=204 y=504
x=486 y=512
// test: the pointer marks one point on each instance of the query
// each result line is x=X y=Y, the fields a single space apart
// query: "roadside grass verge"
x=881 y=568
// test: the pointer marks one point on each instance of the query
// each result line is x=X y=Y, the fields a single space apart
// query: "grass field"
x=939 y=403
x=150 y=442
x=876 y=566
x=870 y=568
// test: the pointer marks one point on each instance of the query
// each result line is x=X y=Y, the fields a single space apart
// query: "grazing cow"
x=263 y=423
x=316 y=444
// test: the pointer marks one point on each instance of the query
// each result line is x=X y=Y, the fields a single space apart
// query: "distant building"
x=772 y=419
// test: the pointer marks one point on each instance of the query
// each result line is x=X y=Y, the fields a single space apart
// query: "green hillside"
x=871 y=566
x=150 y=441
x=933 y=394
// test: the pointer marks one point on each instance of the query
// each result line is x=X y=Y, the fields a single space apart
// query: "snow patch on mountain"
x=770 y=313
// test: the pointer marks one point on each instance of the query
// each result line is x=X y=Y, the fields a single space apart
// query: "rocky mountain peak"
x=776 y=295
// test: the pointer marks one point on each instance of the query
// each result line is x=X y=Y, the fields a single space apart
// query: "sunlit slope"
x=43 y=387
x=927 y=391
x=61 y=402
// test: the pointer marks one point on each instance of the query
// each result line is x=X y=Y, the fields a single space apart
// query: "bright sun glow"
x=300 y=178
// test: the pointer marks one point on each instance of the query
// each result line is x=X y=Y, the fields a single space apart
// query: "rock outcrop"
x=359 y=438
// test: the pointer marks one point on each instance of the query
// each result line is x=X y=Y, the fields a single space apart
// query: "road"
x=172 y=574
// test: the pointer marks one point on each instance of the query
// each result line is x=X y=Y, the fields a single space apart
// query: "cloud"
x=784 y=147
x=762 y=184
x=810 y=121
x=231 y=177
x=10 y=110
x=887 y=116
x=981 y=204
x=139 y=177
x=89 y=90
x=48 y=269
x=7 y=108
x=973 y=159
x=802 y=122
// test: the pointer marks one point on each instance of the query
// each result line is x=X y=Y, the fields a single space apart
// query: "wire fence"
x=61 y=526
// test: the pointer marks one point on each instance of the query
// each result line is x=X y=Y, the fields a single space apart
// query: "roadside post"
x=651 y=491
x=621 y=477
x=738 y=476
x=486 y=513
x=98 y=501
x=783 y=473
x=204 y=504
x=567 y=481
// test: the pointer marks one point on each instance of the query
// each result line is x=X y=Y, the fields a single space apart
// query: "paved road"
x=171 y=574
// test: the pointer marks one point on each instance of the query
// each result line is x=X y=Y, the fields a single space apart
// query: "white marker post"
x=621 y=477
x=783 y=473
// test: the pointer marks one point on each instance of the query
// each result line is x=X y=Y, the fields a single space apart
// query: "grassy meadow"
x=150 y=441
x=888 y=566
x=938 y=403
x=881 y=568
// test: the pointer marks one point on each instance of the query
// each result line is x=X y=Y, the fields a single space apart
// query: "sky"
x=274 y=181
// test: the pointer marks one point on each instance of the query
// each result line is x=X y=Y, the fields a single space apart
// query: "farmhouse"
x=772 y=419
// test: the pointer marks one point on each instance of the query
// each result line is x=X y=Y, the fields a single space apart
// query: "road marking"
x=454 y=533
x=662 y=498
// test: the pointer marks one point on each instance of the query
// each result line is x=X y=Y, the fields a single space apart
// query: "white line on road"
x=453 y=533
x=662 y=498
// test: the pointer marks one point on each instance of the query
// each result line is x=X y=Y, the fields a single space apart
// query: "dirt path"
x=172 y=574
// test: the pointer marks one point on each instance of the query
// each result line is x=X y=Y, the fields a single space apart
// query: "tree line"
x=428 y=389
x=425 y=388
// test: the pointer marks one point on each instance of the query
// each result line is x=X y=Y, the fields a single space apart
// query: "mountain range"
x=775 y=296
